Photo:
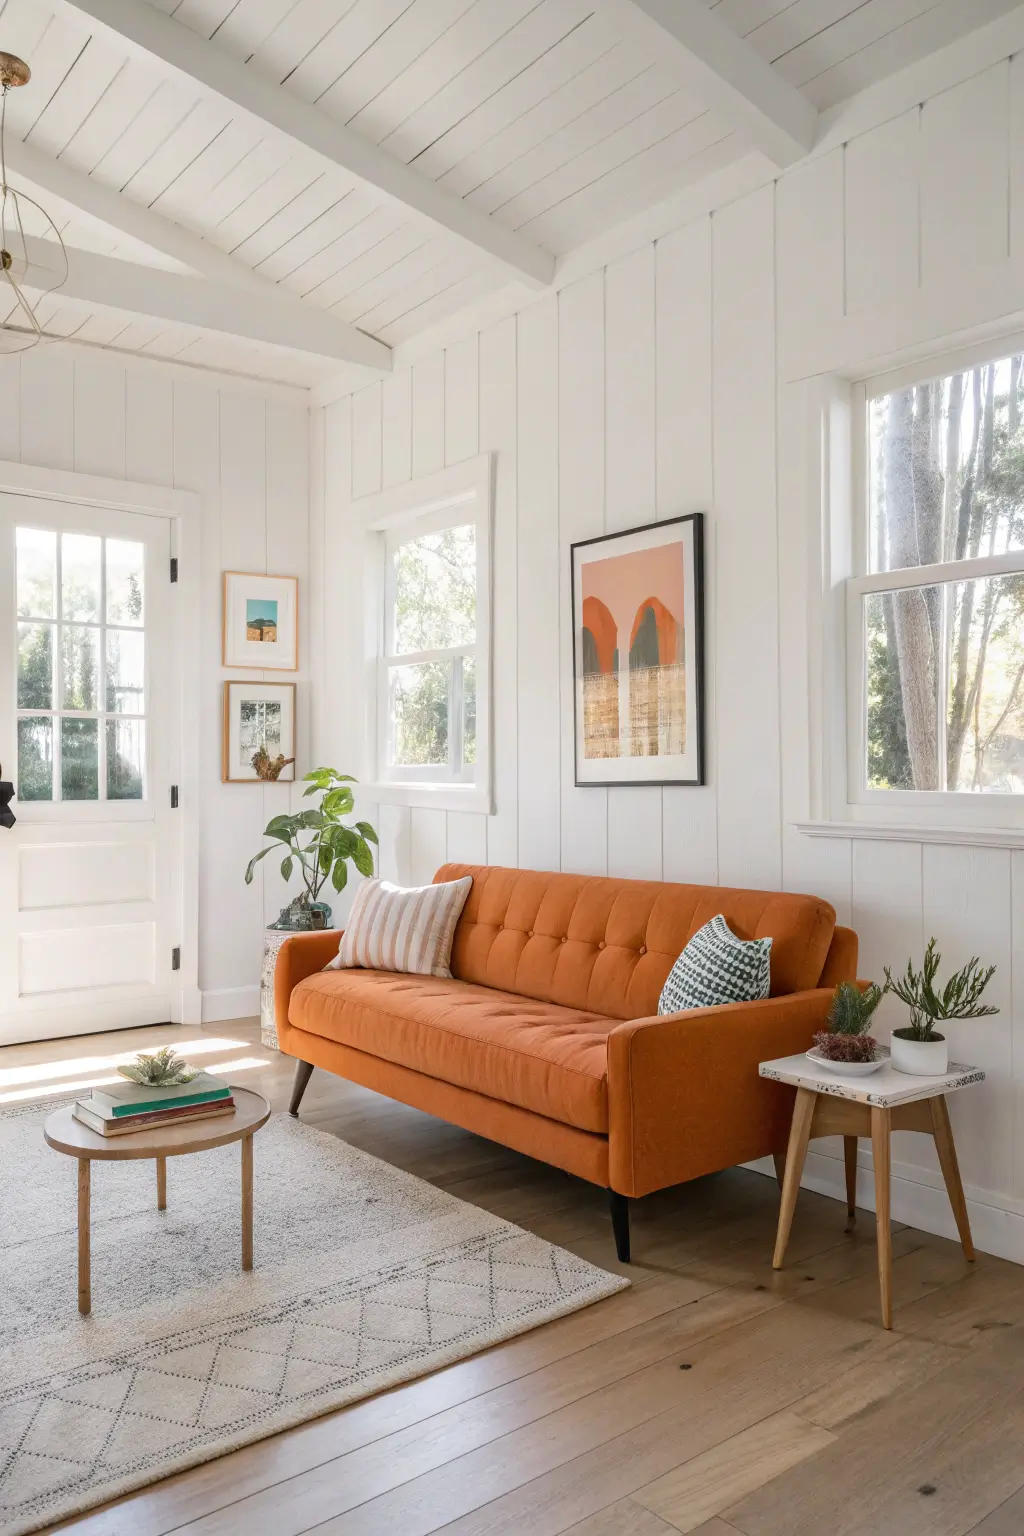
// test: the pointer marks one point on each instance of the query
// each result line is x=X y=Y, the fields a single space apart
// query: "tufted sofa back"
x=608 y=945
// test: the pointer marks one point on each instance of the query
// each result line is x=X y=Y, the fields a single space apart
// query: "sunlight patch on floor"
x=51 y=1071
x=45 y=1080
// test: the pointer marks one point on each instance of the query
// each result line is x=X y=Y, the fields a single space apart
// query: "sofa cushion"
x=543 y=1057
x=607 y=946
x=717 y=968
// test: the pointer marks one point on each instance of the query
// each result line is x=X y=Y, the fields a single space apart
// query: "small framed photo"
x=638 y=654
x=259 y=733
x=261 y=621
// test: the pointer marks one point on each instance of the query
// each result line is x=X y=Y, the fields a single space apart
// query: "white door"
x=88 y=729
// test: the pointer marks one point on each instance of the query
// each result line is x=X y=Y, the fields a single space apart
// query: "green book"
x=128 y=1098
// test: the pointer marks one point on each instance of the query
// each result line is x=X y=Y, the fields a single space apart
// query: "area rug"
x=365 y=1277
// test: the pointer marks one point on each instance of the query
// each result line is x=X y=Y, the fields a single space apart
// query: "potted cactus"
x=918 y=1048
x=845 y=1044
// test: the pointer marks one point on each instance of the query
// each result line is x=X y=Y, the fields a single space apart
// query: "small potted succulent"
x=845 y=1045
x=918 y=1048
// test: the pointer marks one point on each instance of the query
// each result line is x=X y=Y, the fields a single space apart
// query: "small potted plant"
x=320 y=844
x=918 y=1048
x=844 y=1044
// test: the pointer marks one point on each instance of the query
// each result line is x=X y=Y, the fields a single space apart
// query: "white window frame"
x=451 y=498
x=840 y=801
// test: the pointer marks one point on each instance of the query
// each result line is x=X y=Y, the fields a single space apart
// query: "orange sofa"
x=548 y=1039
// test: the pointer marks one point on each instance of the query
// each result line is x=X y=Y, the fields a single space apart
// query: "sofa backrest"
x=608 y=945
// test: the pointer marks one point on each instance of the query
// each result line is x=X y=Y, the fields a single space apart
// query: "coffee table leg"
x=161 y=1183
x=84 y=1286
x=247 y=1202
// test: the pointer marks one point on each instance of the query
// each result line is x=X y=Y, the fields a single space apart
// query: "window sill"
x=435 y=797
x=893 y=832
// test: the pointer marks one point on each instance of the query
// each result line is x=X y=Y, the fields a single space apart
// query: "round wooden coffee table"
x=66 y=1134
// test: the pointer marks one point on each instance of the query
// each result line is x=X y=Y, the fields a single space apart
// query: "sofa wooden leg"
x=620 y=1225
x=303 y=1073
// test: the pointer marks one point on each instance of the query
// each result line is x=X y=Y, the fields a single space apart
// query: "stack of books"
x=125 y=1106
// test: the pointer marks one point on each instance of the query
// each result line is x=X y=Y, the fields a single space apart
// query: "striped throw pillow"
x=715 y=968
x=391 y=928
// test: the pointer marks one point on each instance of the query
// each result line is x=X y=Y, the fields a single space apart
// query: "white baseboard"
x=230 y=1003
x=996 y=1226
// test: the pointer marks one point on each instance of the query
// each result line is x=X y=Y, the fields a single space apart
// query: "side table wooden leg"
x=946 y=1148
x=247 y=1202
x=796 y=1152
x=161 y=1183
x=850 y=1158
x=779 y=1159
x=881 y=1128
x=84 y=1278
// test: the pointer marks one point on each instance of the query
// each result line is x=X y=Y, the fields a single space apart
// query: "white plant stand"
x=829 y=1104
x=273 y=938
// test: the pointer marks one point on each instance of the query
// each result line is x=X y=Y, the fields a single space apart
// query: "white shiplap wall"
x=673 y=380
x=247 y=456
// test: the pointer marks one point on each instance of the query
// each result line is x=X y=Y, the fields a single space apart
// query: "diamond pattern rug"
x=365 y=1277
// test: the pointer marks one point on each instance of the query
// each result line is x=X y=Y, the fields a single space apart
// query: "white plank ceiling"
x=542 y=114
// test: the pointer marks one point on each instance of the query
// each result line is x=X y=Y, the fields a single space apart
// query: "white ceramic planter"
x=920 y=1058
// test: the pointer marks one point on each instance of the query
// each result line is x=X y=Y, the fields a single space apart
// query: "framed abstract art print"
x=638 y=654
x=258 y=741
x=261 y=621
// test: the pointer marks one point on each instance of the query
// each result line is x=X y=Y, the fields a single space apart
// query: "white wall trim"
x=222 y=1003
x=894 y=832
x=96 y=490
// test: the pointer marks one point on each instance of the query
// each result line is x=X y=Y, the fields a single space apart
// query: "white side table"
x=830 y=1104
x=273 y=938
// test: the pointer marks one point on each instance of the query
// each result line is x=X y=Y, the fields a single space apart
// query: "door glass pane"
x=80 y=659
x=79 y=759
x=35 y=666
x=124 y=759
x=37 y=572
x=435 y=591
x=35 y=758
x=946 y=468
x=419 y=713
x=125 y=575
x=80 y=576
x=469 y=710
x=126 y=671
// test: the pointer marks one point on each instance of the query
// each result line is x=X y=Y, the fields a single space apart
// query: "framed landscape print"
x=638 y=654
x=259 y=733
x=261 y=621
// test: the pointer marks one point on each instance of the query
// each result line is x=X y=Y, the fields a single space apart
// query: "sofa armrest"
x=300 y=956
x=684 y=1095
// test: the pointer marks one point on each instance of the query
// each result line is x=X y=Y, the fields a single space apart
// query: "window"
x=935 y=615
x=430 y=562
x=81 y=666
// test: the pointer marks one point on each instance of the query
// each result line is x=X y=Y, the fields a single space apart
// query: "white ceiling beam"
x=182 y=52
x=269 y=318
x=119 y=212
x=725 y=74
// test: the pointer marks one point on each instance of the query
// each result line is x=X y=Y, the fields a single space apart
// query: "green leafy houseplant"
x=928 y=1006
x=165 y=1069
x=845 y=1036
x=317 y=841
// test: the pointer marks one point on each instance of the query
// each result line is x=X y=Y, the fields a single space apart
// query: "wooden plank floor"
x=713 y=1396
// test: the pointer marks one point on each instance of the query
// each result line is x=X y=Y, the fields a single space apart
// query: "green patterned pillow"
x=716 y=967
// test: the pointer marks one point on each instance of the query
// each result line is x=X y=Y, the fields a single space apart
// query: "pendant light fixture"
x=22 y=329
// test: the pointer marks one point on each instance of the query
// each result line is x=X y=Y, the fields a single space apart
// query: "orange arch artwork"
x=631 y=665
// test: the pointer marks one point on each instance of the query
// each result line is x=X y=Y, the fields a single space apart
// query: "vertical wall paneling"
x=634 y=814
x=428 y=415
x=685 y=483
x=48 y=409
x=10 y=408
x=967 y=907
x=746 y=591
x=461 y=401
x=428 y=844
x=537 y=564
x=315 y=605
x=808 y=255
x=396 y=423
x=1015 y=1088
x=882 y=224
x=100 y=416
x=366 y=441
x=581 y=403
x=498 y=435
x=965 y=176
x=149 y=426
